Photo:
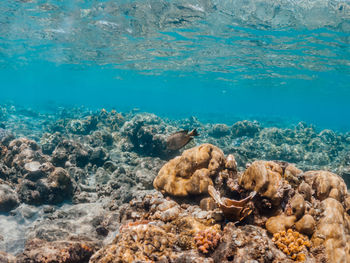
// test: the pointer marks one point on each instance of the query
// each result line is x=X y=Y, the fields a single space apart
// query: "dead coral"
x=192 y=172
x=207 y=240
x=292 y=243
x=41 y=251
x=232 y=209
x=137 y=243
x=247 y=243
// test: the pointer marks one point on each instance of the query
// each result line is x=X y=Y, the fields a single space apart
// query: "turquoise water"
x=217 y=60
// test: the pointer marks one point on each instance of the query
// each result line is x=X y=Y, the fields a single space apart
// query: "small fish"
x=179 y=139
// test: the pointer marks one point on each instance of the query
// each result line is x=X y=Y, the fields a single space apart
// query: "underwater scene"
x=174 y=131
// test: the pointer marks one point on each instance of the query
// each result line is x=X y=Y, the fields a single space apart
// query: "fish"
x=179 y=139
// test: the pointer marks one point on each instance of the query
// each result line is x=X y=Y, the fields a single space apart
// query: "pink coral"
x=207 y=240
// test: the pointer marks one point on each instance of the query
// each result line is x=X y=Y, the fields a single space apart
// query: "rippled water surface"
x=214 y=59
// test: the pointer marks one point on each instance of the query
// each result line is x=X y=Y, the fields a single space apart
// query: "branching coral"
x=207 y=240
x=292 y=243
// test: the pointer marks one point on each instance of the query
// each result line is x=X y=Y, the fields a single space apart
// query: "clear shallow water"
x=217 y=60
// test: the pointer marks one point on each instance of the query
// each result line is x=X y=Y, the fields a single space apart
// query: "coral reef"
x=78 y=186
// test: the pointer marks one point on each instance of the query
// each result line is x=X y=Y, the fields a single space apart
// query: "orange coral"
x=207 y=240
x=292 y=243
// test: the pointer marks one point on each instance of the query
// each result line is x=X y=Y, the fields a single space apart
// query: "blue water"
x=217 y=60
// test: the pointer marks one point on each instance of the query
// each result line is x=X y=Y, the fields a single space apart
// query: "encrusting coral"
x=292 y=243
x=192 y=172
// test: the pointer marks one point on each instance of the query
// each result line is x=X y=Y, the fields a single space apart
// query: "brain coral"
x=326 y=184
x=192 y=172
x=264 y=177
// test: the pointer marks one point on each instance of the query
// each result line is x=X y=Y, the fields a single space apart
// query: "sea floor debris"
x=97 y=187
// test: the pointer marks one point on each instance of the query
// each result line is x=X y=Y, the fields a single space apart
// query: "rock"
x=71 y=151
x=219 y=130
x=245 y=128
x=5 y=136
x=50 y=141
x=147 y=133
x=264 y=177
x=82 y=126
x=8 y=198
x=61 y=186
x=34 y=171
x=98 y=156
x=191 y=172
x=52 y=190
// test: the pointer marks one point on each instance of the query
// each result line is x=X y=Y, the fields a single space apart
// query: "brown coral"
x=207 y=240
x=292 y=243
x=265 y=178
x=333 y=230
x=306 y=225
x=326 y=184
x=191 y=172
x=279 y=223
